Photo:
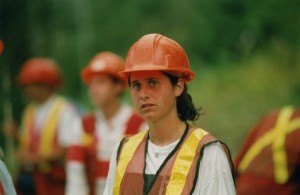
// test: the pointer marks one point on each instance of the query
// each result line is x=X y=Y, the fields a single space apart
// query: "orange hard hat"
x=40 y=70
x=1 y=46
x=103 y=63
x=157 y=52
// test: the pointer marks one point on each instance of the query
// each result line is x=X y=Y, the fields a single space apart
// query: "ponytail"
x=185 y=107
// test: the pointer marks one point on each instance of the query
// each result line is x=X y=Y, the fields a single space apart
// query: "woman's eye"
x=136 y=86
x=153 y=83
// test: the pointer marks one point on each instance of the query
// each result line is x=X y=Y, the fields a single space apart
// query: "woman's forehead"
x=145 y=74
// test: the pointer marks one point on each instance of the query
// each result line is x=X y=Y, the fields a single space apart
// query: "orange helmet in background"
x=157 y=52
x=1 y=46
x=103 y=63
x=40 y=70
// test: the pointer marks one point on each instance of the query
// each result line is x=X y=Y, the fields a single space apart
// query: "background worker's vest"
x=87 y=152
x=269 y=162
x=45 y=177
x=178 y=175
x=1 y=188
x=43 y=141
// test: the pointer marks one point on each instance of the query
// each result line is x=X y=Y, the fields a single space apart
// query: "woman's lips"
x=146 y=105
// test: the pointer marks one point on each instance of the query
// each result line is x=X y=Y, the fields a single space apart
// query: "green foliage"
x=245 y=53
x=235 y=97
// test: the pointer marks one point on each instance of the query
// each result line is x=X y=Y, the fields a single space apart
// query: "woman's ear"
x=179 y=87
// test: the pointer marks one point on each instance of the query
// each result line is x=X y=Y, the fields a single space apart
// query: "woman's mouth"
x=146 y=105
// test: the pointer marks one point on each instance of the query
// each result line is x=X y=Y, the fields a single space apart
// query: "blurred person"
x=6 y=182
x=100 y=130
x=269 y=160
x=173 y=156
x=44 y=131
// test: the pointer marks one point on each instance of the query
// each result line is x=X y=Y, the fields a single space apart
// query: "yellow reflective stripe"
x=49 y=131
x=86 y=139
x=125 y=157
x=279 y=138
x=293 y=125
x=279 y=155
x=27 y=123
x=255 y=149
x=184 y=161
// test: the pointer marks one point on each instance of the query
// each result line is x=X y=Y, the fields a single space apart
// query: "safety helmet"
x=40 y=70
x=157 y=52
x=1 y=46
x=103 y=63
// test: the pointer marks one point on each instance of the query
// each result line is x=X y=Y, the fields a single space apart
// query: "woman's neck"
x=109 y=110
x=163 y=133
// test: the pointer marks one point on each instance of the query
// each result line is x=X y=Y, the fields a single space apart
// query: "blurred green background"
x=245 y=53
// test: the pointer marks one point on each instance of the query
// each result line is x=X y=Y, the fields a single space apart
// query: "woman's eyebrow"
x=151 y=78
x=147 y=79
x=135 y=81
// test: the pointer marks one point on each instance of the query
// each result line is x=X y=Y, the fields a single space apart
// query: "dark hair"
x=117 y=81
x=185 y=107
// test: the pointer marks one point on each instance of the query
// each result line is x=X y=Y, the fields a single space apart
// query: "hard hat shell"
x=1 y=46
x=157 y=52
x=103 y=63
x=40 y=70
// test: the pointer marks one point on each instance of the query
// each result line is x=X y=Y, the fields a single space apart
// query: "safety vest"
x=178 y=174
x=87 y=151
x=2 y=192
x=270 y=156
x=44 y=143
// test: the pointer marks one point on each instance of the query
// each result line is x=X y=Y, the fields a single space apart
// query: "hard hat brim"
x=179 y=72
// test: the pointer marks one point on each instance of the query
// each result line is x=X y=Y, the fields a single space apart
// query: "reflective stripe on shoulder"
x=126 y=155
x=27 y=125
x=183 y=162
x=49 y=131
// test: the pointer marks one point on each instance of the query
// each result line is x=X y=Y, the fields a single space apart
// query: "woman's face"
x=102 y=90
x=153 y=94
x=37 y=92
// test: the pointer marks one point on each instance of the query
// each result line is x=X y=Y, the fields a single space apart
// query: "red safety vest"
x=87 y=152
x=2 y=192
x=269 y=161
x=178 y=173
x=49 y=176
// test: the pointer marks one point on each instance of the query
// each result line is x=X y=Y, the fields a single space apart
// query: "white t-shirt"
x=214 y=173
x=112 y=131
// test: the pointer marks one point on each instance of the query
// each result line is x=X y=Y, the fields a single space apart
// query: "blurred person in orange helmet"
x=269 y=160
x=44 y=131
x=173 y=156
x=98 y=131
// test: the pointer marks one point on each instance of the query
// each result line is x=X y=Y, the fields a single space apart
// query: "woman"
x=96 y=133
x=172 y=157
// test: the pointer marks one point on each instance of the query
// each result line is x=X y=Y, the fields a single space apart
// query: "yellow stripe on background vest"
x=87 y=139
x=279 y=154
x=183 y=162
x=27 y=125
x=275 y=136
x=126 y=155
x=50 y=128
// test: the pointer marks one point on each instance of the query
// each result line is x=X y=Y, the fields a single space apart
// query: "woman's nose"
x=143 y=93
